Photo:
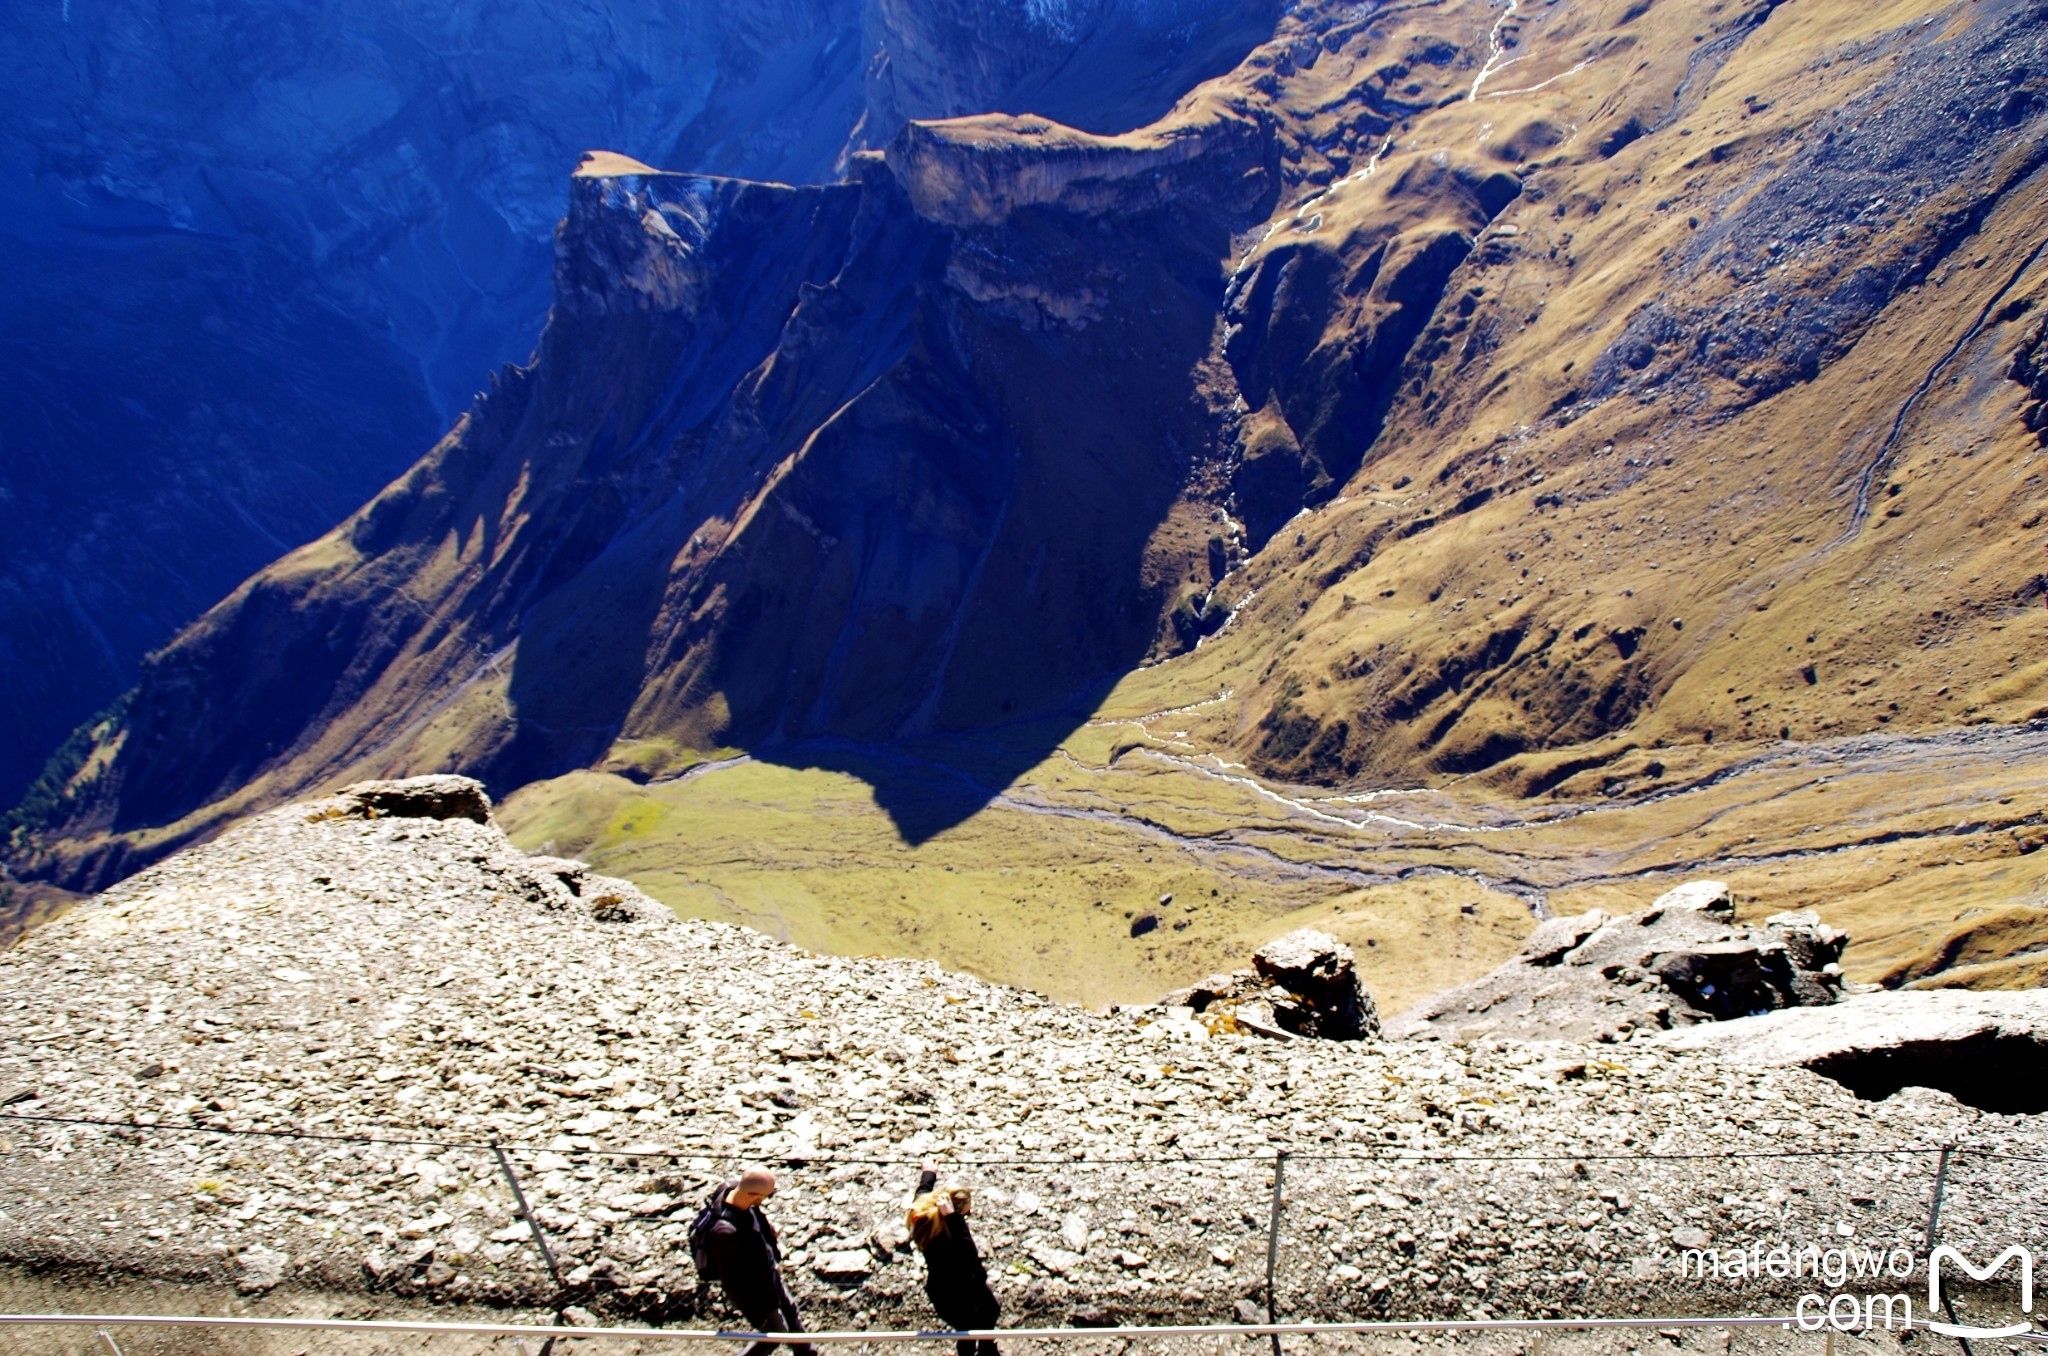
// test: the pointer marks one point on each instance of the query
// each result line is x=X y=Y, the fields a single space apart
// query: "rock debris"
x=330 y=969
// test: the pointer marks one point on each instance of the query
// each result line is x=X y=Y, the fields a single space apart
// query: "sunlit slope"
x=1900 y=840
x=1045 y=887
x=1723 y=439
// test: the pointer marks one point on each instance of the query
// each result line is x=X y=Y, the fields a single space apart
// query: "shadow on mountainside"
x=928 y=786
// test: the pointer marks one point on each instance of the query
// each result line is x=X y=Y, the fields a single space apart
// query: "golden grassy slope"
x=1926 y=850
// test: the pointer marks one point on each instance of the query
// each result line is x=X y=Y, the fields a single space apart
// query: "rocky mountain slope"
x=257 y=258
x=1546 y=449
x=386 y=975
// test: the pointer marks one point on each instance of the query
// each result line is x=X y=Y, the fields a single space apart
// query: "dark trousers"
x=966 y=1313
x=782 y=1319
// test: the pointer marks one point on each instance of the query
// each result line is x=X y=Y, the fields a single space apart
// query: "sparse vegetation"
x=65 y=778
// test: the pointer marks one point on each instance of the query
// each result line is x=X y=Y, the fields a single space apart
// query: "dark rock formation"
x=1681 y=961
x=443 y=797
x=1305 y=984
x=1321 y=976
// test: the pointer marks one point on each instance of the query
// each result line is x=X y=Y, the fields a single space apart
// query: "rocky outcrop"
x=1989 y=1050
x=397 y=979
x=980 y=171
x=1303 y=984
x=442 y=797
x=2030 y=369
x=1682 y=961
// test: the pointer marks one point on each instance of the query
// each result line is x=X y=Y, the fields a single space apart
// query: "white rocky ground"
x=412 y=978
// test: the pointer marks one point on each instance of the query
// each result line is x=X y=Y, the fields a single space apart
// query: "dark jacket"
x=955 y=1278
x=749 y=1260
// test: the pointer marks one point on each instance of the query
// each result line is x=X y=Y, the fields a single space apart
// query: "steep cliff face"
x=789 y=462
x=1568 y=400
x=257 y=256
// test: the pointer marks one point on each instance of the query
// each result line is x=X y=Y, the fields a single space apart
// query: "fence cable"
x=1396 y=1155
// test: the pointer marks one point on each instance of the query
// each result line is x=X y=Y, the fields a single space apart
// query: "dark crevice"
x=1992 y=1071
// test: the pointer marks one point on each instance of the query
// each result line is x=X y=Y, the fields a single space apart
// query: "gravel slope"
x=313 y=971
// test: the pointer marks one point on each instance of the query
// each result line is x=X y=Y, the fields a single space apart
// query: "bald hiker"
x=733 y=1243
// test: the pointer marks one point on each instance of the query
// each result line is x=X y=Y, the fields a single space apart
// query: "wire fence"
x=199 y=1219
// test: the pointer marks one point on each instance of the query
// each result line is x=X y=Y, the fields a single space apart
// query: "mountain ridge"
x=286 y=248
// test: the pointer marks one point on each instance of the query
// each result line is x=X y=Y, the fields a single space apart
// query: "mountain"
x=257 y=258
x=1464 y=459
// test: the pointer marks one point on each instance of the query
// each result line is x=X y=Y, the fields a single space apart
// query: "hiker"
x=953 y=1274
x=734 y=1243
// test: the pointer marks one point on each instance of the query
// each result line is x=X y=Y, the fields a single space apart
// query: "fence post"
x=1934 y=1205
x=1273 y=1243
x=540 y=1240
x=1933 y=1229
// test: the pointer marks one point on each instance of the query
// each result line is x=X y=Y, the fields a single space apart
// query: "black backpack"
x=708 y=1214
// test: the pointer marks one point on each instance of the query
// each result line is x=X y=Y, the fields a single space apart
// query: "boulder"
x=845 y=1266
x=1700 y=896
x=1321 y=975
x=443 y=796
x=1303 y=984
x=1555 y=936
x=557 y=883
x=1813 y=944
x=1729 y=979
x=260 y=1269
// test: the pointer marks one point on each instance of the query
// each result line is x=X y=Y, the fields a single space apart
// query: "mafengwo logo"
x=1946 y=1253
